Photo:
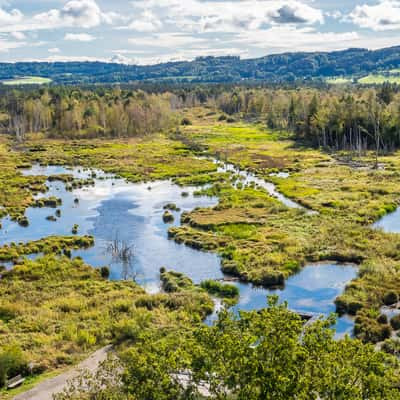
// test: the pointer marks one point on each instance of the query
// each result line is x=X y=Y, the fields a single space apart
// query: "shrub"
x=186 y=121
x=168 y=217
x=23 y=221
x=105 y=272
x=395 y=322
x=383 y=319
x=8 y=312
x=12 y=363
x=86 y=339
x=354 y=307
x=220 y=289
x=390 y=298
x=273 y=278
x=391 y=346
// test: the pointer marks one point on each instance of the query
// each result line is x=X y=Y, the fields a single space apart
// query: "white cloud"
x=380 y=17
x=288 y=38
x=74 y=13
x=79 y=37
x=121 y=59
x=6 y=45
x=54 y=50
x=18 y=35
x=10 y=17
x=147 y=22
x=232 y=16
x=167 y=40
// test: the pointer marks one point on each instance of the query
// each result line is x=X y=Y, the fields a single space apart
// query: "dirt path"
x=45 y=390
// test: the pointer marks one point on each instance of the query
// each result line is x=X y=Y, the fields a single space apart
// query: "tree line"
x=84 y=113
x=355 y=119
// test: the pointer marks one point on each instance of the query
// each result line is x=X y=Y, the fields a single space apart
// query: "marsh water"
x=132 y=212
x=389 y=223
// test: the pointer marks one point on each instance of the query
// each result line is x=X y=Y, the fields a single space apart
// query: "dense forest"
x=333 y=119
x=286 y=67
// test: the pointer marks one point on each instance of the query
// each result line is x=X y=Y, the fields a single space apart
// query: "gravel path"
x=45 y=390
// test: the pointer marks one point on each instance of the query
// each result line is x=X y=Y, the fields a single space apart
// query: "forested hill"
x=285 y=67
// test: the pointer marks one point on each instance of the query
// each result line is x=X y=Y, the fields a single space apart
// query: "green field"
x=339 y=81
x=27 y=80
x=378 y=79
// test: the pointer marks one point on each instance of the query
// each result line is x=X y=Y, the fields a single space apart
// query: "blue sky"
x=150 y=31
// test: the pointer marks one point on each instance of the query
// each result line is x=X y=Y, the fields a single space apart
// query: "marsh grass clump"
x=391 y=298
x=50 y=202
x=395 y=322
x=383 y=319
x=220 y=289
x=23 y=221
x=186 y=121
x=49 y=245
x=105 y=272
x=168 y=217
x=175 y=281
x=171 y=207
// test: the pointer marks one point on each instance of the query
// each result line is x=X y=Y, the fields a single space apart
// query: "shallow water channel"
x=133 y=213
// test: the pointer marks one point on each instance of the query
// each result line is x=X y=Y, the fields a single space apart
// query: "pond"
x=389 y=223
x=132 y=212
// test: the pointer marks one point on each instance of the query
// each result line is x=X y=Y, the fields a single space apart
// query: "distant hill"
x=286 y=67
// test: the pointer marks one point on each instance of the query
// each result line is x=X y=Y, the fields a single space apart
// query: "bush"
x=341 y=306
x=168 y=217
x=273 y=278
x=354 y=307
x=23 y=221
x=186 y=121
x=12 y=363
x=105 y=272
x=390 y=298
x=383 y=319
x=220 y=289
x=391 y=346
x=395 y=322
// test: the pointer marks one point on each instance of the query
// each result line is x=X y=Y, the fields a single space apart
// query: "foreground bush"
x=261 y=356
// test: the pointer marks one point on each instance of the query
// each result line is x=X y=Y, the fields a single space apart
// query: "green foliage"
x=175 y=281
x=49 y=245
x=395 y=322
x=261 y=355
x=12 y=363
x=390 y=298
x=219 y=289
x=57 y=309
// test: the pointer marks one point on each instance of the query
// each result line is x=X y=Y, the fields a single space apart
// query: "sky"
x=152 y=31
